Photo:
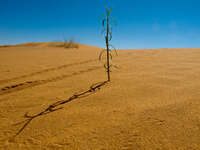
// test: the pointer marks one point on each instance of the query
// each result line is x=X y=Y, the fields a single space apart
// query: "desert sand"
x=151 y=103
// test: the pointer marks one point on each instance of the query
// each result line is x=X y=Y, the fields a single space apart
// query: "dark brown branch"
x=55 y=106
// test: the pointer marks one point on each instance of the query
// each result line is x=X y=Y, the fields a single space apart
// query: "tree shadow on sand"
x=55 y=106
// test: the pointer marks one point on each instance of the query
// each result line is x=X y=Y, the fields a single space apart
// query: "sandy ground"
x=152 y=102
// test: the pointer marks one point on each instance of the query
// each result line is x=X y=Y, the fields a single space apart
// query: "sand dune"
x=151 y=103
x=41 y=44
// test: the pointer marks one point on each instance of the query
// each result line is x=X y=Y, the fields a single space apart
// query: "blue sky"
x=140 y=23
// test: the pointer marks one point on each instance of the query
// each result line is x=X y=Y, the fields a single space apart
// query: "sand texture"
x=151 y=103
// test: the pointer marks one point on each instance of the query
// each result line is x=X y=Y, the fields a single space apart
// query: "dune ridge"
x=43 y=44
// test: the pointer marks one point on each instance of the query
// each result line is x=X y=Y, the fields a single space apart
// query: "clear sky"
x=140 y=23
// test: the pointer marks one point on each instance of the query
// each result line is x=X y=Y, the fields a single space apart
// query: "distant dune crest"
x=48 y=44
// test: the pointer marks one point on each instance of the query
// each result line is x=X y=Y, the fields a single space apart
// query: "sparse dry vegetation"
x=68 y=44
x=107 y=31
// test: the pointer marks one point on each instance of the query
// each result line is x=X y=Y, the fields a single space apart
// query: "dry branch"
x=55 y=106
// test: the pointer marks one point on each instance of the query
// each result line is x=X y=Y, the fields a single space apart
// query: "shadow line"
x=47 y=70
x=55 y=106
x=29 y=84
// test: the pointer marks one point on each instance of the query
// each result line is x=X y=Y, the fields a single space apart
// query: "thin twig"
x=55 y=106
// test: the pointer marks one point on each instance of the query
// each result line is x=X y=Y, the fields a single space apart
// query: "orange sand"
x=151 y=103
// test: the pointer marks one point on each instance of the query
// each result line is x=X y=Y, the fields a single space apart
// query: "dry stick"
x=108 y=37
x=53 y=108
x=107 y=46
